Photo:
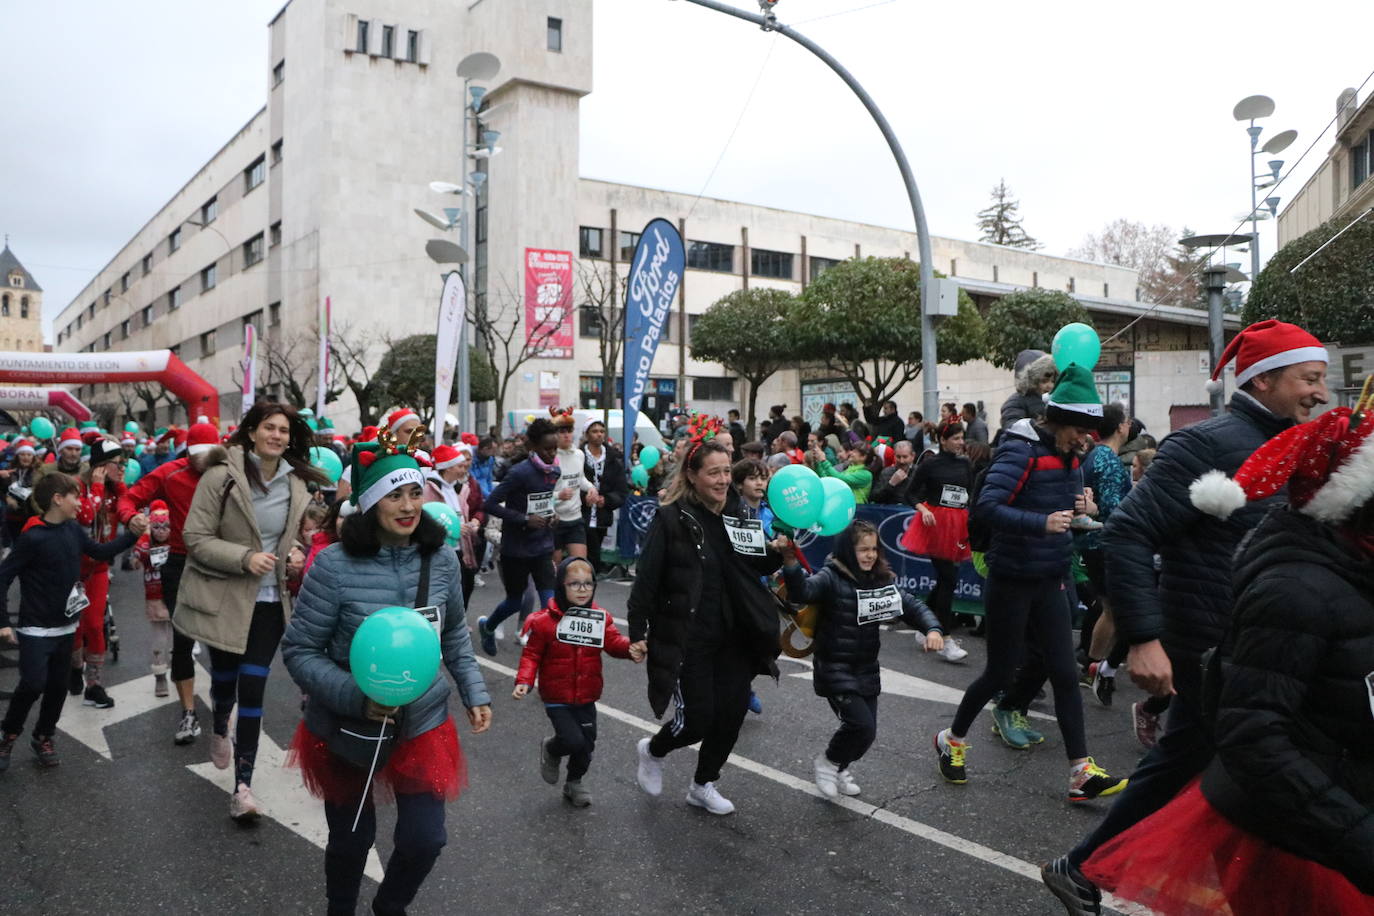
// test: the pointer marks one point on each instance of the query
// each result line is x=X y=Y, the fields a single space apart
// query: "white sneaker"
x=953 y=652
x=500 y=631
x=650 y=772
x=709 y=798
x=847 y=784
x=826 y=776
x=243 y=806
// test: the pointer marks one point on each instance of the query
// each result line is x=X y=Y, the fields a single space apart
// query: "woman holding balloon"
x=370 y=666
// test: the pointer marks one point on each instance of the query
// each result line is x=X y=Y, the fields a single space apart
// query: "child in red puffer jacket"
x=566 y=640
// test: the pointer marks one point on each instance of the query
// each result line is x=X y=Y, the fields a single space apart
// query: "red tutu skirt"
x=1188 y=860
x=947 y=539
x=432 y=762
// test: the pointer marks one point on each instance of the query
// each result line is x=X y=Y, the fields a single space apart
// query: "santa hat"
x=377 y=469
x=423 y=459
x=23 y=447
x=68 y=437
x=369 y=434
x=1264 y=346
x=128 y=440
x=158 y=512
x=1074 y=400
x=469 y=439
x=446 y=456
x=397 y=418
x=201 y=438
x=167 y=435
x=179 y=437
x=1327 y=465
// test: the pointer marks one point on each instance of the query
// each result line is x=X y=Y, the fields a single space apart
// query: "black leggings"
x=1013 y=604
x=183 y=665
x=594 y=538
x=574 y=736
x=712 y=699
x=516 y=572
x=941 y=598
x=243 y=679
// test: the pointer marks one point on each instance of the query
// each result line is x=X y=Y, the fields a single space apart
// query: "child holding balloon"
x=563 y=654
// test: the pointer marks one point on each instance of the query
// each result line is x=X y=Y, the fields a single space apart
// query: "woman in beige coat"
x=241 y=543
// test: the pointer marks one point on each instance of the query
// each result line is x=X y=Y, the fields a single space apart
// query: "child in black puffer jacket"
x=856 y=591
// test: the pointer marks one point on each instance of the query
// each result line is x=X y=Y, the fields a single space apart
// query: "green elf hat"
x=378 y=468
x=1074 y=400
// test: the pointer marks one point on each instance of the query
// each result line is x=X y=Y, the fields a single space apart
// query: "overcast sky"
x=1090 y=111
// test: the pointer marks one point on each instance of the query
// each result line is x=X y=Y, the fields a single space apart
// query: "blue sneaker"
x=754 y=705
x=1006 y=727
x=487 y=637
x=1033 y=736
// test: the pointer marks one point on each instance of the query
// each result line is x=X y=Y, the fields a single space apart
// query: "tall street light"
x=1252 y=108
x=931 y=294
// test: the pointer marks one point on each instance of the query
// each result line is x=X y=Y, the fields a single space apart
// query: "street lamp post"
x=929 y=295
x=1253 y=108
x=1216 y=286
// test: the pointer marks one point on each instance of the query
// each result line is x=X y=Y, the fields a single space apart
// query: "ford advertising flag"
x=655 y=275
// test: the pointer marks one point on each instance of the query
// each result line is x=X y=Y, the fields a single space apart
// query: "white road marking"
x=87 y=724
x=918 y=688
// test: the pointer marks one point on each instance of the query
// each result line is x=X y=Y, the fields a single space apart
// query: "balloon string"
x=367 y=786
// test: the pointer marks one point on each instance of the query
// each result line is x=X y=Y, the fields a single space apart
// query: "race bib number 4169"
x=580 y=626
x=746 y=535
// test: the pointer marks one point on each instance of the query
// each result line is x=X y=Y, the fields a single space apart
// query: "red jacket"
x=567 y=673
x=95 y=514
x=174 y=483
x=152 y=575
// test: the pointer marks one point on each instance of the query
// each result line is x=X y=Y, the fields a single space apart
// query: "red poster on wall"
x=548 y=303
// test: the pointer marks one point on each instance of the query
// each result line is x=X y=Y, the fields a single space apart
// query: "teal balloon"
x=837 y=509
x=131 y=427
x=132 y=471
x=639 y=476
x=42 y=427
x=394 y=656
x=138 y=451
x=444 y=515
x=1076 y=343
x=796 y=496
x=327 y=460
x=24 y=430
x=649 y=456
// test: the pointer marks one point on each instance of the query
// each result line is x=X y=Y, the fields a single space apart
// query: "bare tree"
x=602 y=296
x=507 y=339
x=352 y=367
x=1168 y=272
x=152 y=395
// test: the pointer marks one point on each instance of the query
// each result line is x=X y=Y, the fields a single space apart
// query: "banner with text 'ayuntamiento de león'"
x=655 y=276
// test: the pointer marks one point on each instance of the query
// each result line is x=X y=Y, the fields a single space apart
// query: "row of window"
x=5 y=305
x=592 y=243
x=379 y=40
x=206 y=342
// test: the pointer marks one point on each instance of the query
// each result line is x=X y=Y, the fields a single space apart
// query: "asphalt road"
x=146 y=829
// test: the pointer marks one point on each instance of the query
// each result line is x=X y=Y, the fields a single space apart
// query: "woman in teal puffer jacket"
x=387 y=543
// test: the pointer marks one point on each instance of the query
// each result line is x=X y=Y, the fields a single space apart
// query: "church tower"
x=21 y=306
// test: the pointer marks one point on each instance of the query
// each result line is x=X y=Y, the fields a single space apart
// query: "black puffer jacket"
x=1295 y=721
x=1192 y=604
x=611 y=486
x=667 y=593
x=846 y=656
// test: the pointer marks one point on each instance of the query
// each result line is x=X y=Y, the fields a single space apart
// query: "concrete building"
x=21 y=306
x=312 y=199
x=1341 y=188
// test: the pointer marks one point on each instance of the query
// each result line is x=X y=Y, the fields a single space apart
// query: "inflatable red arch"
x=44 y=399
x=116 y=368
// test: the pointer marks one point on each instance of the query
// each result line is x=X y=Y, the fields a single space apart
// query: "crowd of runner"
x=1228 y=569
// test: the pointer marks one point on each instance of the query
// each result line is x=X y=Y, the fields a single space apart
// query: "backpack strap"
x=422 y=590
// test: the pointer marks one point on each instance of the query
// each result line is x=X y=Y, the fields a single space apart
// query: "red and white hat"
x=23 y=447
x=446 y=456
x=128 y=440
x=201 y=438
x=1267 y=345
x=158 y=512
x=69 y=437
x=397 y=418
x=1327 y=465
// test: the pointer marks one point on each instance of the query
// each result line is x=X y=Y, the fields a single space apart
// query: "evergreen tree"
x=1000 y=222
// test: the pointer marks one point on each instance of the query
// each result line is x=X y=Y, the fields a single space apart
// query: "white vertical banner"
x=250 y=367
x=322 y=367
x=452 y=314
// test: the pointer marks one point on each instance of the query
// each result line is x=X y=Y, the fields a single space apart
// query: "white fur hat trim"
x=1216 y=494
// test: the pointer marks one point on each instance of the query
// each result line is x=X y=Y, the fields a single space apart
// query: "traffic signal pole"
x=930 y=401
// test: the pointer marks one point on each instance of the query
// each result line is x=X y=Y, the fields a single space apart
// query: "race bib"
x=539 y=504
x=580 y=626
x=20 y=493
x=954 y=497
x=157 y=556
x=434 y=616
x=746 y=535
x=77 y=600
x=571 y=482
x=879 y=605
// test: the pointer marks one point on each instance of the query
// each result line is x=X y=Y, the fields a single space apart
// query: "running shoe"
x=6 y=750
x=649 y=775
x=188 y=729
x=1104 y=685
x=75 y=682
x=243 y=805
x=709 y=797
x=221 y=751
x=576 y=793
x=1088 y=781
x=548 y=762
x=97 y=697
x=827 y=776
x=1079 y=895
x=847 y=784
x=755 y=706
x=951 y=757
x=1005 y=726
x=1146 y=725
x=1086 y=673
x=953 y=652
x=1033 y=736
x=44 y=750
x=487 y=637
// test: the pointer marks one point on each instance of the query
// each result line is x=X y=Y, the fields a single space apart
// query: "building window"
x=713 y=389
x=105 y=300
x=106 y=341
x=388 y=39
x=209 y=210
x=147 y=315
x=90 y=310
x=255 y=319
x=24 y=307
x=711 y=256
x=274 y=234
x=279 y=73
x=1105 y=293
x=1035 y=278
x=124 y=329
x=147 y=264
x=254 y=174
x=276 y=152
x=274 y=314
x=589 y=242
x=821 y=265
x=555 y=34
x=207 y=278
x=253 y=250
x=628 y=241
x=412 y=46
x=361 y=46
x=994 y=273
x=207 y=343
x=174 y=240
x=124 y=283
x=17 y=280
x=5 y=306
x=174 y=299
x=1071 y=289
x=78 y=322
x=1359 y=161
x=765 y=263
x=589 y=322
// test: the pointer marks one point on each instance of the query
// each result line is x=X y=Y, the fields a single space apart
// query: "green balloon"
x=837 y=510
x=1076 y=343
x=131 y=427
x=138 y=451
x=796 y=496
x=327 y=460
x=444 y=515
x=132 y=471
x=394 y=656
x=42 y=427
x=649 y=457
x=639 y=476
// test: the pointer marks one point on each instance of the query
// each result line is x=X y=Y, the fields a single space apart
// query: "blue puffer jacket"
x=338 y=593
x=1026 y=482
x=508 y=501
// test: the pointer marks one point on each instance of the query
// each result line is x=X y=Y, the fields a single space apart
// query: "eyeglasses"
x=579 y=585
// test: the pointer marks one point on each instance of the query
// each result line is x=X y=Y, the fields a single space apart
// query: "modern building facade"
x=21 y=306
x=1341 y=188
x=312 y=200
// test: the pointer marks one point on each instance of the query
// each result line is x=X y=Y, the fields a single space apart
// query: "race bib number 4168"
x=580 y=626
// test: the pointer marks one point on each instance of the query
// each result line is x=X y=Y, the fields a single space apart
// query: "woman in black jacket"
x=1282 y=821
x=709 y=625
x=603 y=466
x=856 y=591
